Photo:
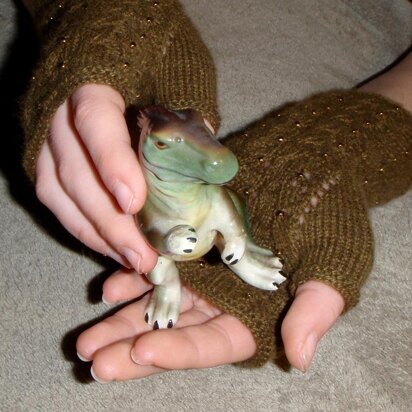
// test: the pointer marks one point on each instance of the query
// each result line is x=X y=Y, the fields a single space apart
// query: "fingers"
x=221 y=340
x=129 y=321
x=216 y=342
x=98 y=113
x=315 y=309
x=125 y=285
x=113 y=363
x=51 y=194
x=82 y=184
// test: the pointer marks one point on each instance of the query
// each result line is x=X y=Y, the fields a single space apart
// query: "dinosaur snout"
x=221 y=169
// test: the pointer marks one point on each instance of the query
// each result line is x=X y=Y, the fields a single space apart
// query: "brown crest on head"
x=158 y=117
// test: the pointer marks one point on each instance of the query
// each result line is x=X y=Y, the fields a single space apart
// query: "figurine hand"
x=124 y=347
x=89 y=177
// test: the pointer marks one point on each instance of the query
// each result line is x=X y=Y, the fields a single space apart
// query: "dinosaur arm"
x=228 y=222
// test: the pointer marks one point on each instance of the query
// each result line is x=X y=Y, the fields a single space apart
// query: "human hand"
x=124 y=347
x=88 y=175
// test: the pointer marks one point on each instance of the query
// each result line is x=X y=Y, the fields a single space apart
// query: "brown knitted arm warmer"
x=148 y=51
x=309 y=173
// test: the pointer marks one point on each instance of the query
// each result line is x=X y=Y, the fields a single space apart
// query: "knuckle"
x=65 y=173
x=42 y=189
x=85 y=111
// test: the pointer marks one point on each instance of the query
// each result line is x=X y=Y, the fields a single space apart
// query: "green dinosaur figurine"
x=188 y=210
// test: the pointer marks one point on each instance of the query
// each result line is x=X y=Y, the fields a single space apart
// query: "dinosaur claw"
x=170 y=324
x=146 y=318
x=156 y=325
x=229 y=257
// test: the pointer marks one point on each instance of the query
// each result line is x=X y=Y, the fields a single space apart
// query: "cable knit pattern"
x=147 y=50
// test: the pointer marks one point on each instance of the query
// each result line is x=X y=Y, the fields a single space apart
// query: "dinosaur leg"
x=164 y=306
x=259 y=268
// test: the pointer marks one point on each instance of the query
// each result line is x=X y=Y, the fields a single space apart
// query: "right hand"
x=88 y=175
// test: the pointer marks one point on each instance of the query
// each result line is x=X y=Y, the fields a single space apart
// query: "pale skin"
x=96 y=202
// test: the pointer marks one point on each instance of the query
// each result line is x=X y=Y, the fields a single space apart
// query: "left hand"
x=124 y=347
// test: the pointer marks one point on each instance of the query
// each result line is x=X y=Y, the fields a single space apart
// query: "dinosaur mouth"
x=172 y=175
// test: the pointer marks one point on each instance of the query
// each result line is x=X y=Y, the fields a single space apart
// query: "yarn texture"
x=309 y=173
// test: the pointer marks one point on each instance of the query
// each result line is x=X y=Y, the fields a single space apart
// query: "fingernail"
x=97 y=379
x=116 y=302
x=124 y=196
x=105 y=301
x=133 y=257
x=307 y=352
x=83 y=359
x=138 y=361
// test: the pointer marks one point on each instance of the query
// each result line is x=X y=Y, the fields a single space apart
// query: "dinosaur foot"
x=164 y=307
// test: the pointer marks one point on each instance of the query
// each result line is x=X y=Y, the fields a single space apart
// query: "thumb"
x=314 y=311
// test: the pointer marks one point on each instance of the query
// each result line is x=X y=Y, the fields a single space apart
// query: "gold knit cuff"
x=186 y=78
x=334 y=240
x=260 y=311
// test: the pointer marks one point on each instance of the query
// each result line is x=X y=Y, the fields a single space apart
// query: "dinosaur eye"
x=160 y=145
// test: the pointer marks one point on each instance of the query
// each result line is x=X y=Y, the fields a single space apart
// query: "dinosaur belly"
x=180 y=236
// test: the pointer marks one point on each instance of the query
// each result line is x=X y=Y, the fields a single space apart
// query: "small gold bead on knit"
x=132 y=44
x=126 y=65
x=381 y=169
x=340 y=145
x=368 y=123
x=149 y=19
x=62 y=65
x=314 y=112
x=156 y=3
x=281 y=139
x=202 y=263
x=341 y=99
x=261 y=159
x=298 y=124
x=365 y=181
x=142 y=36
x=280 y=214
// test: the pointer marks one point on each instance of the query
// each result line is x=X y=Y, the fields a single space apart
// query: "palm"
x=203 y=337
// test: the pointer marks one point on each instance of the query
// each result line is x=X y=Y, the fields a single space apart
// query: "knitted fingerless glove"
x=148 y=51
x=310 y=172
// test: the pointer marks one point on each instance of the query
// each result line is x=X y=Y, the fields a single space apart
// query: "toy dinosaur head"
x=177 y=146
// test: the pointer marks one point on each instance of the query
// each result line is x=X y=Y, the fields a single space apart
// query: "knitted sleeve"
x=310 y=173
x=147 y=50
